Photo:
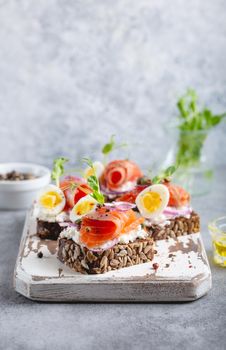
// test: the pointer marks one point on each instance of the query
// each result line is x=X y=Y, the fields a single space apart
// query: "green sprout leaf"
x=111 y=146
x=108 y=147
x=165 y=174
x=88 y=162
x=93 y=182
x=170 y=170
x=58 y=169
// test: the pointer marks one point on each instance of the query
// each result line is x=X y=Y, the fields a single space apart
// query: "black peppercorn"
x=40 y=254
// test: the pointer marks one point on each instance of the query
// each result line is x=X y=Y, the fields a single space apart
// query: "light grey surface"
x=72 y=72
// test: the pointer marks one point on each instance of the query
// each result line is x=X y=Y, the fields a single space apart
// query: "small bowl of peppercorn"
x=20 y=184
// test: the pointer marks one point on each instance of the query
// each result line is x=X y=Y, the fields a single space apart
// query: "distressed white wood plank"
x=183 y=273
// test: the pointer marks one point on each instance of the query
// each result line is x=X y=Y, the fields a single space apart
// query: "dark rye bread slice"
x=48 y=230
x=85 y=261
x=179 y=226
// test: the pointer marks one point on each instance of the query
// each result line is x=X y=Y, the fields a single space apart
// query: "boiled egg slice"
x=51 y=200
x=84 y=206
x=152 y=200
x=98 y=167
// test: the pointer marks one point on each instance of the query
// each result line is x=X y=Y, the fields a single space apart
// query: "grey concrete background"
x=71 y=74
x=74 y=72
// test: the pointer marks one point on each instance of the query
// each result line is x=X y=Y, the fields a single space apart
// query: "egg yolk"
x=151 y=201
x=50 y=200
x=89 y=172
x=84 y=207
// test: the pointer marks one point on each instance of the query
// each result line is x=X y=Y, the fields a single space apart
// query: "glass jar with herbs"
x=193 y=146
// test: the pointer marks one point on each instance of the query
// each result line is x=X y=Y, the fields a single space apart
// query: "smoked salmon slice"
x=131 y=196
x=102 y=226
x=178 y=196
x=119 y=172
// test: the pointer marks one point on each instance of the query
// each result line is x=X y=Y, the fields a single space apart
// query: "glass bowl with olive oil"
x=217 y=229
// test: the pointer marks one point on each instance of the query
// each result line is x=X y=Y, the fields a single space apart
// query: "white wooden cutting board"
x=183 y=274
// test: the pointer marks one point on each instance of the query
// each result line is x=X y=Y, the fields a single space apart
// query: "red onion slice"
x=122 y=206
x=177 y=212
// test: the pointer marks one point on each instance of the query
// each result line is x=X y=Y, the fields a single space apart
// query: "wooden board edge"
x=21 y=285
x=101 y=291
x=122 y=291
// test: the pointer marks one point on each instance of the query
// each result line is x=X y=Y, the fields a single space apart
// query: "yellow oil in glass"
x=219 y=246
x=217 y=229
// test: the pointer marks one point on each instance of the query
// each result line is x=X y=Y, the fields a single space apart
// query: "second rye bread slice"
x=179 y=226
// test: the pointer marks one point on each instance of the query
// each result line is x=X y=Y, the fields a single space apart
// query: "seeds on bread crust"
x=91 y=262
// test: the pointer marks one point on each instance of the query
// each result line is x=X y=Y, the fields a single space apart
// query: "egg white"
x=162 y=191
x=56 y=209
x=74 y=216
